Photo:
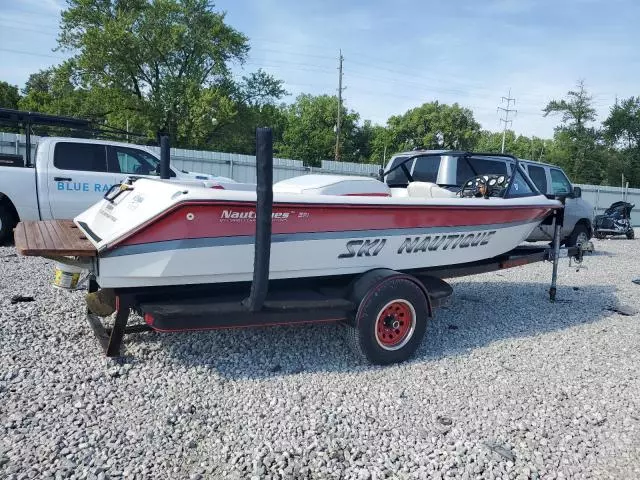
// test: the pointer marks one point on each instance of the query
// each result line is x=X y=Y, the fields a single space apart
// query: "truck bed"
x=52 y=238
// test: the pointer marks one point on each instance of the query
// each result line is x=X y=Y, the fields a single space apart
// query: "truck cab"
x=71 y=174
x=79 y=172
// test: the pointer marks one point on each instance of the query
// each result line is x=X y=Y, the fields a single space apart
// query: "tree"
x=55 y=91
x=434 y=125
x=574 y=138
x=623 y=123
x=9 y=95
x=521 y=146
x=577 y=111
x=622 y=129
x=165 y=63
x=9 y=98
x=309 y=133
x=382 y=145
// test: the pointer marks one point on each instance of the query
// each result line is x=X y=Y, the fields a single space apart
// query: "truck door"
x=77 y=177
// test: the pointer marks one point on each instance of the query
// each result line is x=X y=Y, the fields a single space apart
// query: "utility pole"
x=340 y=59
x=506 y=111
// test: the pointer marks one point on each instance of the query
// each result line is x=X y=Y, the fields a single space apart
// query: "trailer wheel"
x=390 y=321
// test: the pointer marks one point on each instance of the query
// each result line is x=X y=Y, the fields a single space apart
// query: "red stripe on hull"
x=235 y=219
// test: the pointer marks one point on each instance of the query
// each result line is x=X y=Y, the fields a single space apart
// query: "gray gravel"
x=506 y=385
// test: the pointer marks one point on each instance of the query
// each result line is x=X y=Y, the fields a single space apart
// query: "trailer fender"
x=367 y=284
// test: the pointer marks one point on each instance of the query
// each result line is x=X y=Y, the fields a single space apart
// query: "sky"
x=399 y=54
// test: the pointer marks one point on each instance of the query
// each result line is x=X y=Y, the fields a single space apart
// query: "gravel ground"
x=505 y=385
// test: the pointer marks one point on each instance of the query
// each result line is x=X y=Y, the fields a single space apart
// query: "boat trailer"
x=384 y=310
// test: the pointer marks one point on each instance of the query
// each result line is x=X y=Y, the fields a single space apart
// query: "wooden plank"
x=54 y=233
x=75 y=239
x=48 y=240
x=52 y=238
x=35 y=237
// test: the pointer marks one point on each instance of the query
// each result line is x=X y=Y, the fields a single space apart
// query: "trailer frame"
x=290 y=309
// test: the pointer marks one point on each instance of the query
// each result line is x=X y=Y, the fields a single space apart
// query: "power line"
x=340 y=60
x=506 y=111
x=22 y=52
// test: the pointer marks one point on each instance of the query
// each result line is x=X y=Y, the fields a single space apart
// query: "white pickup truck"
x=71 y=174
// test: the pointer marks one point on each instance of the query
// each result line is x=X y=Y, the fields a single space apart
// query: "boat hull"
x=223 y=259
x=154 y=234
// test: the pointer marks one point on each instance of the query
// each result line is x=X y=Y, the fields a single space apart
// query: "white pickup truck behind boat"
x=68 y=175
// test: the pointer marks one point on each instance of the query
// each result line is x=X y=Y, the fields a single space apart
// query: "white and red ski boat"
x=153 y=233
x=314 y=248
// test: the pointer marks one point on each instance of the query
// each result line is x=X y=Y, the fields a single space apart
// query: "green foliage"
x=579 y=149
x=623 y=124
x=577 y=110
x=434 y=125
x=521 y=146
x=309 y=130
x=164 y=66
x=9 y=98
x=622 y=130
x=9 y=95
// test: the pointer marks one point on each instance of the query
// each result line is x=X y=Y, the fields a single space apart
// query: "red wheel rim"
x=395 y=324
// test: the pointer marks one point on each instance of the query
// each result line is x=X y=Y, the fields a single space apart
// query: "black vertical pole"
x=264 y=207
x=558 y=222
x=164 y=157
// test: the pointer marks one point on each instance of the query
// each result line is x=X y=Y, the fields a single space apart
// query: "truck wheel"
x=390 y=321
x=580 y=234
x=7 y=222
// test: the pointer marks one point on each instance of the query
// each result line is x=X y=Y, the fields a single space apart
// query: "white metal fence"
x=242 y=168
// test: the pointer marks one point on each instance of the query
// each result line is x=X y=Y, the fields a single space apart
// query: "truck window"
x=87 y=157
x=482 y=166
x=539 y=177
x=560 y=184
x=132 y=161
x=426 y=169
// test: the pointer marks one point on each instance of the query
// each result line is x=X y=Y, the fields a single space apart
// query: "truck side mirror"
x=577 y=192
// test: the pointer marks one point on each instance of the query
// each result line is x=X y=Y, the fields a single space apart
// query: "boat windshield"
x=422 y=168
x=520 y=187
x=398 y=178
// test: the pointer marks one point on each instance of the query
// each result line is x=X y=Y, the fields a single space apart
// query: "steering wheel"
x=484 y=186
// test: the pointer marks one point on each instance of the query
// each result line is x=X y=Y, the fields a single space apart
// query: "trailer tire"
x=390 y=321
x=7 y=222
x=631 y=234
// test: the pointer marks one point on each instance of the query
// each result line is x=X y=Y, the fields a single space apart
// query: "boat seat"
x=428 y=190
